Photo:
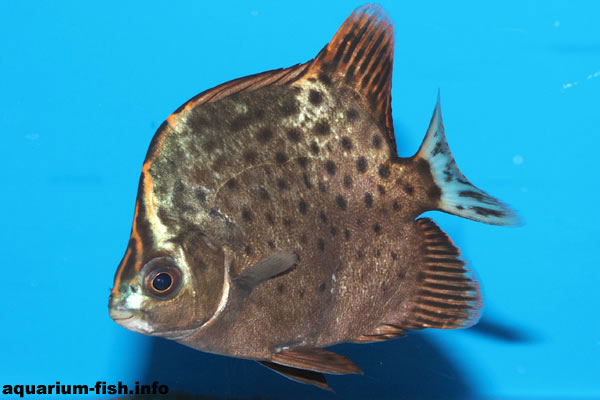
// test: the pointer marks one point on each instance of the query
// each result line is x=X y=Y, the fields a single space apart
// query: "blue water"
x=83 y=86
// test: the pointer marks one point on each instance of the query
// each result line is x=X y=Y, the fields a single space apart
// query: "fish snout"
x=117 y=311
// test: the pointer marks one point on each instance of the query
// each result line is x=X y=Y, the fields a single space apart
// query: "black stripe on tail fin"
x=446 y=294
x=361 y=56
x=458 y=195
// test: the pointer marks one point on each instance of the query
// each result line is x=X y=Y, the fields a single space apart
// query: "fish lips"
x=130 y=320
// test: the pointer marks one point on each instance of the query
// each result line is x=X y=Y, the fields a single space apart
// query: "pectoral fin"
x=266 y=269
x=319 y=360
x=299 y=375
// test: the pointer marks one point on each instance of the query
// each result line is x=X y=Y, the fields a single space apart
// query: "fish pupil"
x=162 y=282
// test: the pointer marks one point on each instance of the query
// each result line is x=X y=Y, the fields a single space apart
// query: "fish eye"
x=162 y=282
x=163 y=277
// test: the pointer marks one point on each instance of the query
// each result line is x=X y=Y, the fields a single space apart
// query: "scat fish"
x=274 y=217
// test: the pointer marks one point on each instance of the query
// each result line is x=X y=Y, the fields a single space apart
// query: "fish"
x=274 y=217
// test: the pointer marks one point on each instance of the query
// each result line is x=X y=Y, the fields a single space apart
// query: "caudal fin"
x=458 y=195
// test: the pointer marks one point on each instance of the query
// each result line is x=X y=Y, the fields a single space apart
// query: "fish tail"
x=457 y=195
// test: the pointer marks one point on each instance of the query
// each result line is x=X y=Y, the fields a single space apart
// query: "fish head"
x=169 y=283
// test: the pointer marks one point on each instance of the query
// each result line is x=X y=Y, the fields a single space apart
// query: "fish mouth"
x=120 y=315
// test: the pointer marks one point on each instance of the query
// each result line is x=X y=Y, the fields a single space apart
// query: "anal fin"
x=314 y=359
x=299 y=375
x=446 y=294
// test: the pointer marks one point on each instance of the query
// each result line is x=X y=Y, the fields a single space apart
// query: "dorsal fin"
x=361 y=55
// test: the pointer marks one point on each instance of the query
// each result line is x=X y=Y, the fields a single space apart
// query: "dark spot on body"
x=347 y=234
x=246 y=215
x=394 y=255
x=302 y=207
x=294 y=135
x=259 y=113
x=323 y=216
x=240 y=122
x=322 y=128
x=377 y=229
x=280 y=157
x=286 y=222
x=322 y=287
x=263 y=193
x=282 y=184
x=459 y=207
x=341 y=202
x=347 y=181
x=264 y=135
x=360 y=255
x=248 y=250
x=314 y=148
x=352 y=114
x=289 y=107
x=271 y=244
x=232 y=184
x=409 y=189
x=361 y=165
x=381 y=189
x=315 y=97
x=384 y=171
x=307 y=182
x=322 y=187
x=434 y=192
x=333 y=230
x=219 y=163
x=368 y=200
x=396 y=205
x=249 y=156
x=269 y=218
x=303 y=238
x=359 y=222
x=280 y=288
x=301 y=293
x=376 y=141
x=320 y=244
x=200 y=195
x=346 y=143
x=330 y=167
x=209 y=146
x=302 y=161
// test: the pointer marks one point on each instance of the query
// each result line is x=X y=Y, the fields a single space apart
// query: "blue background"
x=83 y=86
